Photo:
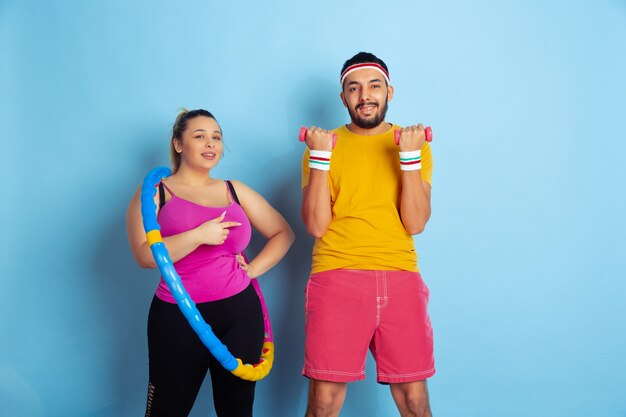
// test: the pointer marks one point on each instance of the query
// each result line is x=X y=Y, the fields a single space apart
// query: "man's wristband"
x=320 y=160
x=411 y=161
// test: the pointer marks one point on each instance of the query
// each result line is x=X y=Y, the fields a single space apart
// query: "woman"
x=205 y=232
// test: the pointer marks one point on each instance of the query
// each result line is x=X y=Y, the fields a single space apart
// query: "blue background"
x=524 y=254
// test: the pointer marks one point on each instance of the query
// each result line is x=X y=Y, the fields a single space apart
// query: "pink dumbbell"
x=302 y=135
x=429 y=135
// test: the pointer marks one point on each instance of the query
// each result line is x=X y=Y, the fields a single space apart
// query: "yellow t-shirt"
x=365 y=231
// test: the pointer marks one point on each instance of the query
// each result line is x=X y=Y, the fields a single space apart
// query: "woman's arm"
x=264 y=218
x=212 y=232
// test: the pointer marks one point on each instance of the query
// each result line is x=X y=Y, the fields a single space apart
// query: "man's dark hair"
x=362 y=58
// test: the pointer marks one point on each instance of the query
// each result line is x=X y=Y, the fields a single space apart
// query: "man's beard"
x=368 y=123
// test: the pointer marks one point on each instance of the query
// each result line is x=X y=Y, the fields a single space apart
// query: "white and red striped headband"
x=364 y=65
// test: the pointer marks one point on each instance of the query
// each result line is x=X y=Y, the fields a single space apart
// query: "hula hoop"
x=185 y=303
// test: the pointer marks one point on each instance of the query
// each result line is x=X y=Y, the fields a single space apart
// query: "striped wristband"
x=411 y=161
x=320 y=160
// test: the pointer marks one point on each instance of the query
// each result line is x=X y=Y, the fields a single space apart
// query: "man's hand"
x=412 y=138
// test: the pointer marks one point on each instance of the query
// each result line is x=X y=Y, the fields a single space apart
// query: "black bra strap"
x=161 y=196
x=233 y=192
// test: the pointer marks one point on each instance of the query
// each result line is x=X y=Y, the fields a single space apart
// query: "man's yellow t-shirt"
x=366 y=231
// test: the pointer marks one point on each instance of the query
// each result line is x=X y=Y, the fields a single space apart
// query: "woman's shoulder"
x=239 y=185
x=244 y=192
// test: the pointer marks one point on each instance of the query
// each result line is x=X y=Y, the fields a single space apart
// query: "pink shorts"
x=349 y=311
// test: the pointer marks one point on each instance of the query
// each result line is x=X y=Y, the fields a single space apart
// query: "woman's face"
x=201 y=144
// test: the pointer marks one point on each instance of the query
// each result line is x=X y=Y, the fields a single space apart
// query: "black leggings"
x=179 y=361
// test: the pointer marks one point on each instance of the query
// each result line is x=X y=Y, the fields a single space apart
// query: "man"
x=362 y=200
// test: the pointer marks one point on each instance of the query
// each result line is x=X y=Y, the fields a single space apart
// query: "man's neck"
x=380 y=129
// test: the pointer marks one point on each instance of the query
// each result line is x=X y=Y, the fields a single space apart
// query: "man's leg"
x=403 y=342
x=411 y=399
x=325 y=398
x=335 y=350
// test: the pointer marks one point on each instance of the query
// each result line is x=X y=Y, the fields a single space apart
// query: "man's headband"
x=365 y=65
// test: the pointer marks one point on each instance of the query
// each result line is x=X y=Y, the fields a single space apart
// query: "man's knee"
x=323 y=407
x=325 y=398
x=418 y=406
x=412 y=399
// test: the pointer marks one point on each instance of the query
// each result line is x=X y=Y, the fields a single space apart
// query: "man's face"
x=366 y=94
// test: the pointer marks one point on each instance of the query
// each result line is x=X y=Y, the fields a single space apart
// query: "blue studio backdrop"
x=523 y=254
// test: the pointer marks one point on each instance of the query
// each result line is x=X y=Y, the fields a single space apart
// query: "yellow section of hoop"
x=260 y=370
x=154 y=236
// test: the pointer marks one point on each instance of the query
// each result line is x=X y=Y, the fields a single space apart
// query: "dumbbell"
x=302 y=135
x=396 y=135
x=429 y=135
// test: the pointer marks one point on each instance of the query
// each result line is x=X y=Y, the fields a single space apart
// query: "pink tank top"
x=210 y=272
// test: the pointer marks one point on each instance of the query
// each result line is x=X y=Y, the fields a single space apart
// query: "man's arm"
x=316 y=203
x=316 y=211
x=415 y=196
x=414 y=202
